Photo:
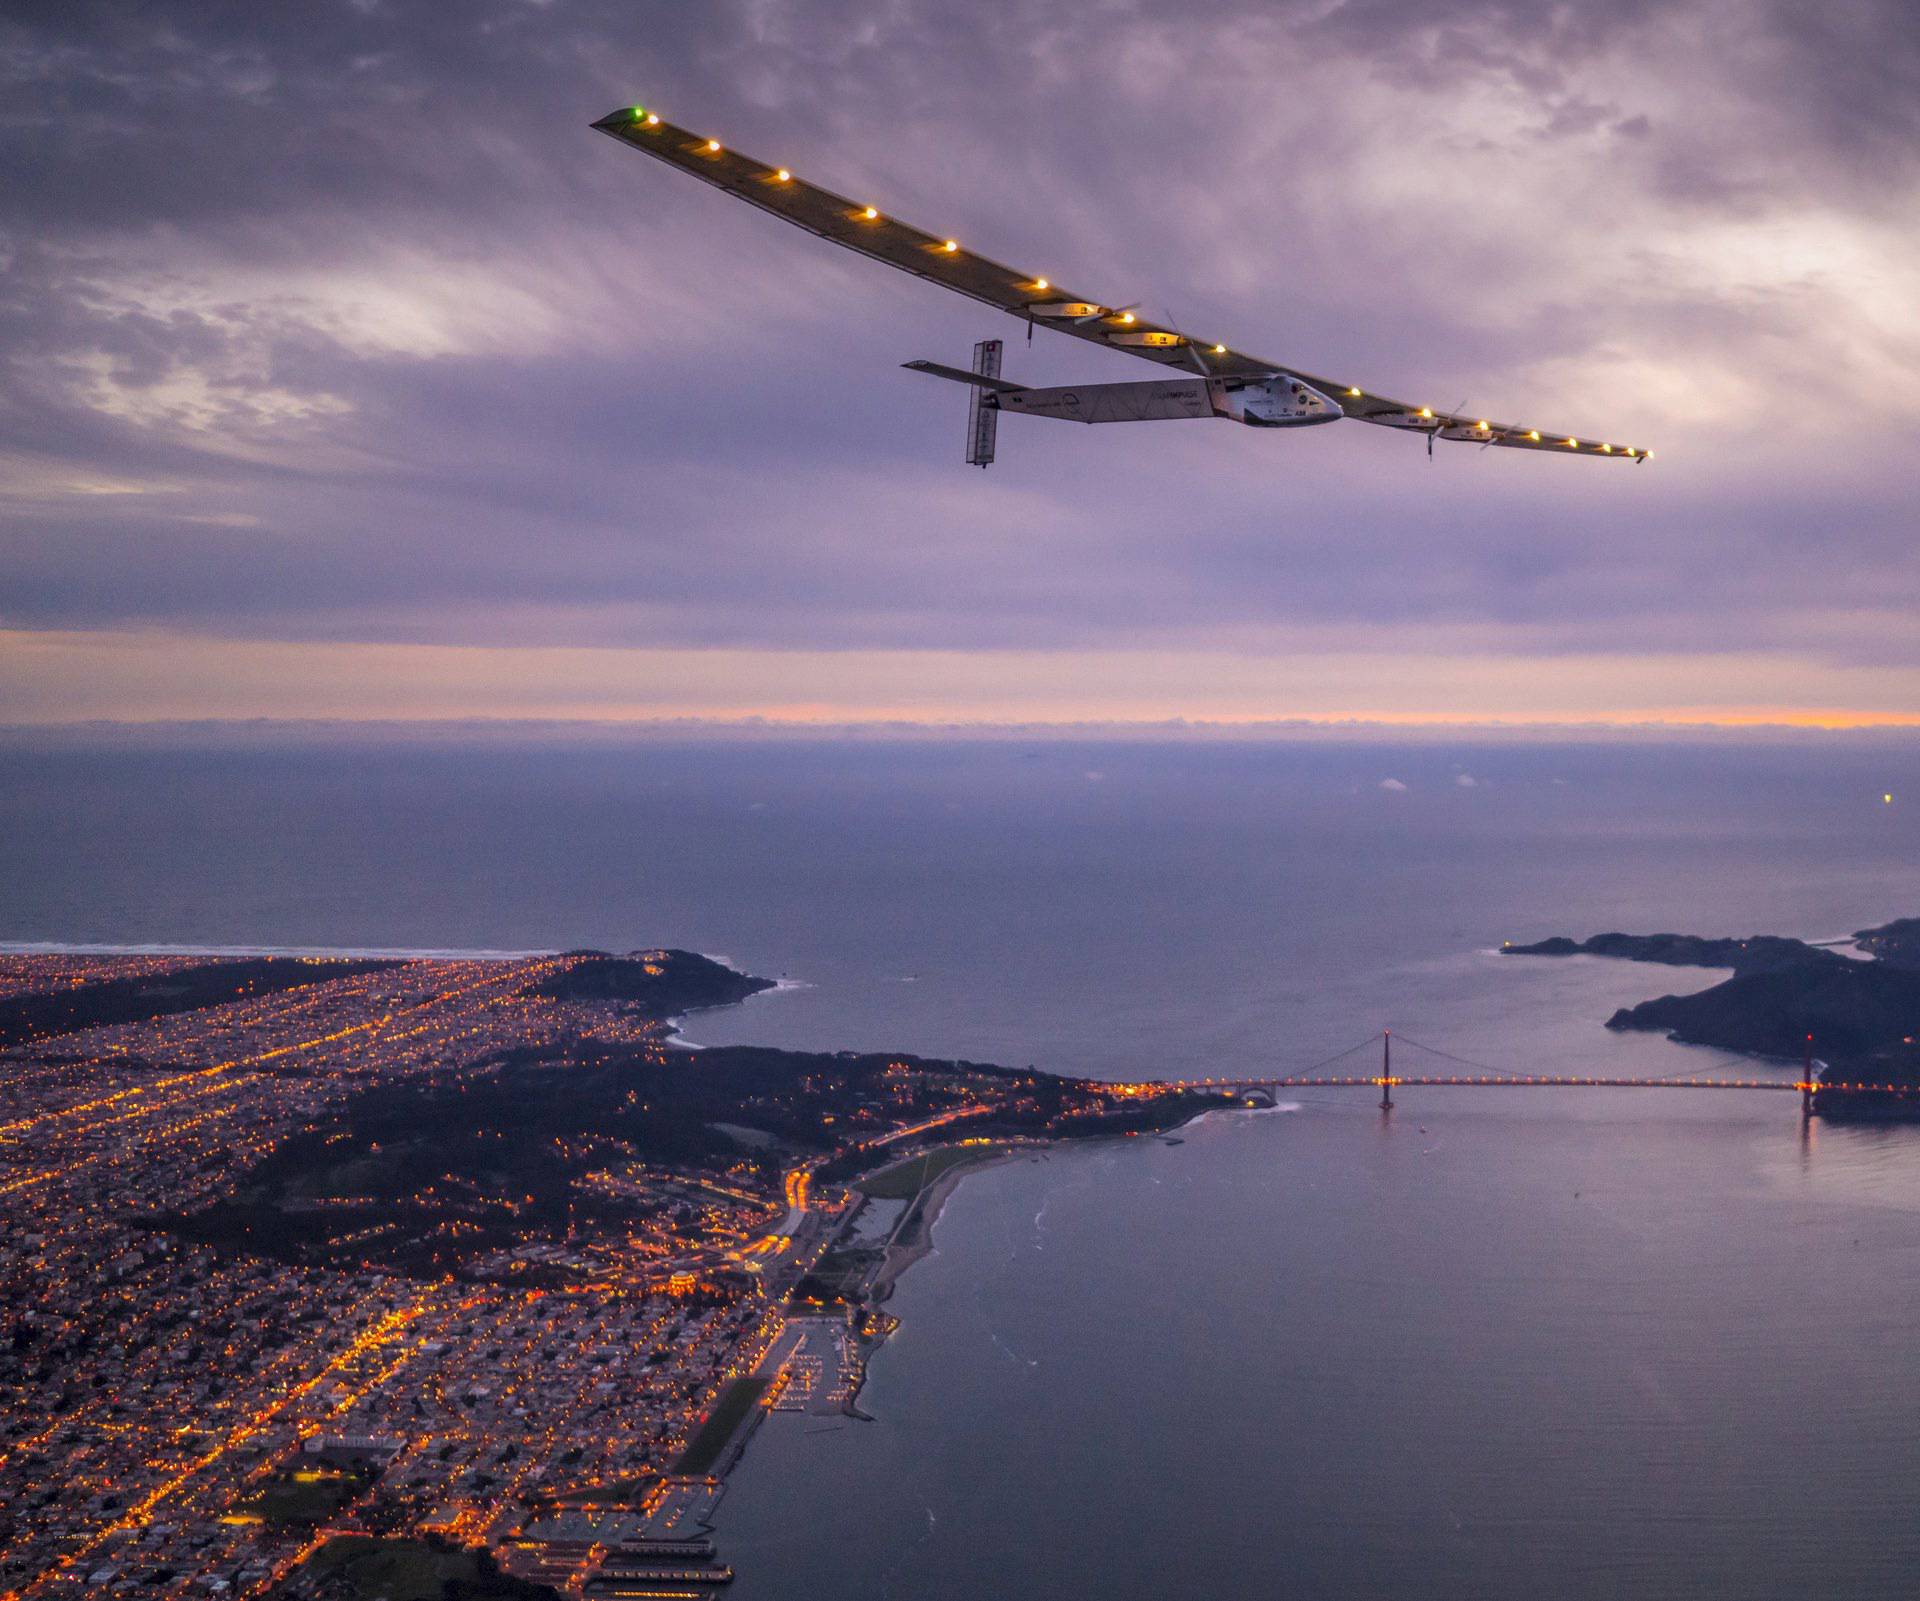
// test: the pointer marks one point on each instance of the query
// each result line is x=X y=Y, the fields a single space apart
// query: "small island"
x=1859 y=1013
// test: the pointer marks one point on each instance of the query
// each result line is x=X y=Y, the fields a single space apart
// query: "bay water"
x=1498 y=1343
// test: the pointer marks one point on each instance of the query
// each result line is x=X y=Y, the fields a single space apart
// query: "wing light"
x=1034 y=299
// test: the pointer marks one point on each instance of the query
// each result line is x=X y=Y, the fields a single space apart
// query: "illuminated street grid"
x=153 y=1387
x=176 y=1419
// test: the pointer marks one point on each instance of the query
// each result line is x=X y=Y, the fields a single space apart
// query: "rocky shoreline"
x=1857 y=1016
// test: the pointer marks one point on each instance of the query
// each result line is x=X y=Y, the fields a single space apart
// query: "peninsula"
x=1859 y=1014
x=435 y=1277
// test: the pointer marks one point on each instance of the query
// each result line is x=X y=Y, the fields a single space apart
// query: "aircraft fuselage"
x=1279 y=402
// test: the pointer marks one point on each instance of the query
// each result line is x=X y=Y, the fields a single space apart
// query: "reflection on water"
x=1494 y=1345
x=1500 y=1344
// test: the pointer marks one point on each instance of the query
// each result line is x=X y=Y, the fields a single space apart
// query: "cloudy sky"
x=345 y=372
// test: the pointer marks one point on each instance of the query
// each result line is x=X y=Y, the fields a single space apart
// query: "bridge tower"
x=1386 y=1070
x=1806 y=1083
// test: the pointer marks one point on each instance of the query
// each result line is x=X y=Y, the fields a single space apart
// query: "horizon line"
x=1775 y=724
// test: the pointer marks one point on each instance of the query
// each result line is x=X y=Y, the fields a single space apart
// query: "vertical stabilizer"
x=983 y=410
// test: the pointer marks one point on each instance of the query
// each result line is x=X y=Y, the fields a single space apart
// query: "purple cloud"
x=337 y=323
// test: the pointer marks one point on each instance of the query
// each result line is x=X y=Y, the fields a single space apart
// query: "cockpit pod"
x=1281 y=401
x=1212 y=379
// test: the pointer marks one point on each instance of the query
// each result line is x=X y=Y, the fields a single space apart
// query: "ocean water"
x=1497 y=1344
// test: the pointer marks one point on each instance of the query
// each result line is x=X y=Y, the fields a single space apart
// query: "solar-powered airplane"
x=1209 y=380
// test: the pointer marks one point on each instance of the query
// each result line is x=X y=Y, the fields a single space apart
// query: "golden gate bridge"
x=1483 y=1075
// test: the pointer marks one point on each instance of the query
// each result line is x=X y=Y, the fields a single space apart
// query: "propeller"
x=1446 y=421
x=1187 y=346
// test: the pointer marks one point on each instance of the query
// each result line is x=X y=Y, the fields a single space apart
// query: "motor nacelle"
x=1281 y=401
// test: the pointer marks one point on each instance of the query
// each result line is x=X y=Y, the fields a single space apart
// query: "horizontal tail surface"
x=959 y=375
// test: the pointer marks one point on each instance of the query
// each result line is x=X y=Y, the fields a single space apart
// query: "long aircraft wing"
x=867 y=228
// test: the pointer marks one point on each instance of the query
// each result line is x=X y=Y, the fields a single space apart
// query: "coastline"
x=912 y=1242
x=912 y=1238
x=867 y=1328
x=783 y=1329
x=679 y=1042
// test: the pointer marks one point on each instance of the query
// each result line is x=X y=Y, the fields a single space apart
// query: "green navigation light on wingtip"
x=1222 y=383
